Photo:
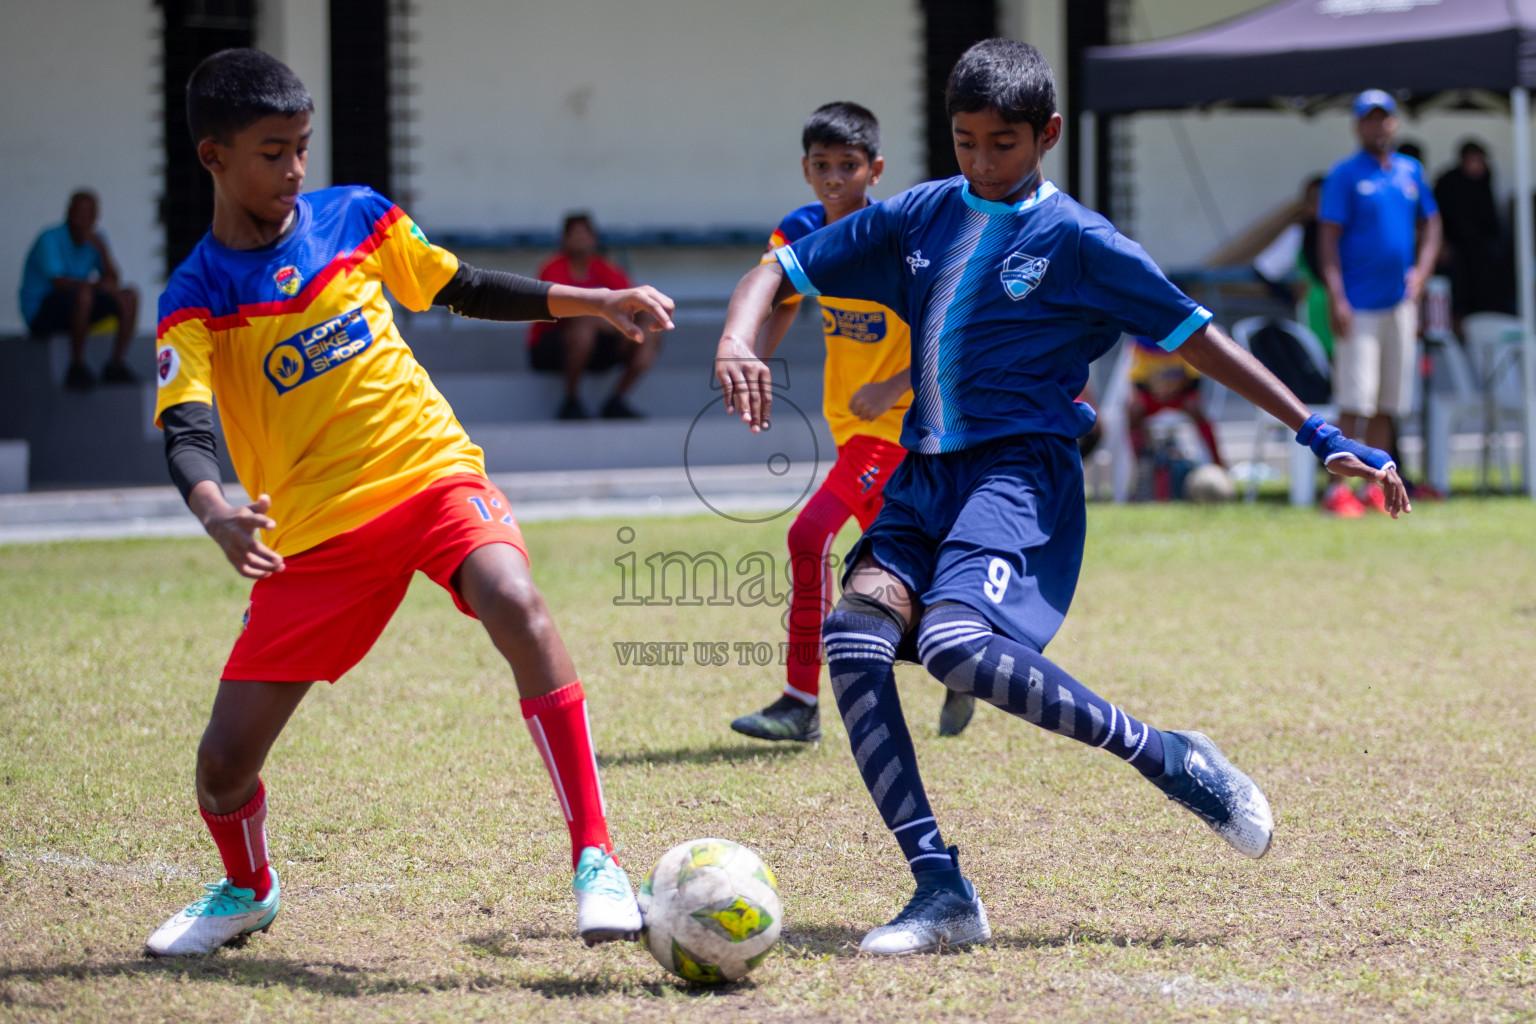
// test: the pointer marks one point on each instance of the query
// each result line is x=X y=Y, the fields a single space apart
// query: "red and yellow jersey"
x=1160 y=373
x=323 y=405
x=865 y=342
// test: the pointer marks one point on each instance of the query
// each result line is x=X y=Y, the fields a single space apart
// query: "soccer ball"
x=711 y=909
x=1209 y=484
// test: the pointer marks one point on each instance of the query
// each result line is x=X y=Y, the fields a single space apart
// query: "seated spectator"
x=1162 y=380
x=586 y=344
x=70 y=284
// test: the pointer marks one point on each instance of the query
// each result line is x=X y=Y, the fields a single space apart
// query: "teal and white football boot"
x=605 y=901
x=222 y=915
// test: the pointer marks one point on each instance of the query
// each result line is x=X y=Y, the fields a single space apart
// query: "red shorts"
x=1179 y=401
x=859 y=475
x=320 y=615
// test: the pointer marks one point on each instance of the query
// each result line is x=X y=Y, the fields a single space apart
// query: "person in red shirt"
x=587 y=344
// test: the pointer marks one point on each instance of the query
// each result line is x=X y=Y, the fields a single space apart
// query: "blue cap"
x=1371 y=99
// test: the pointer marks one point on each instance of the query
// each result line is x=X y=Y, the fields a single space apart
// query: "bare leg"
x=80 y=322
x=1379 y=432
x=637 y=360
x=874 y=582
x=127 y=321
x=496 y=584
x=579 y=335
x=246 y=720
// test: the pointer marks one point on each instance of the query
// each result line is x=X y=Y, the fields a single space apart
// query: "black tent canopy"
x=1309 y=48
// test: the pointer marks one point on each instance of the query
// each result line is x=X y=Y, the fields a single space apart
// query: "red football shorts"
x=859 y=475
x=320 y=616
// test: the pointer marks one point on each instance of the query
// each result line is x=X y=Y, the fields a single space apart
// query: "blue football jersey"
x=1008 y=304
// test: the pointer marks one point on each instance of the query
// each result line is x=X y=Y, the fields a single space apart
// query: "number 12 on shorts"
x=999 y=573
x=485 y=513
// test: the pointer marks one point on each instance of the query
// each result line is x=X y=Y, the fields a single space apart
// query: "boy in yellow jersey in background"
x=866 y=393
x=280 y=314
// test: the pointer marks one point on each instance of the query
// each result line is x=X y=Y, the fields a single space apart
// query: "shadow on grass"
x=1097 y=937
x=597 y=985
x=843 y=941
x=720 y=753
x=343 y=980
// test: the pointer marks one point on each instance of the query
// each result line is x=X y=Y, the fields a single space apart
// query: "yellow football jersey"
x=865 y=342
x=323 y=405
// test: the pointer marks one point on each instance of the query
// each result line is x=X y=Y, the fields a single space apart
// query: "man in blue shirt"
x=1375 y=260
x=69 y=283
x=1011 y=289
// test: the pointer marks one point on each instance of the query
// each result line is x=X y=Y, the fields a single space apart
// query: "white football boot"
x=605 y=901
x=1197 y=775
x=224 y=914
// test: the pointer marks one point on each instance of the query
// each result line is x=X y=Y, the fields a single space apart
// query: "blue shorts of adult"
x=58 y=309
x=998 y=528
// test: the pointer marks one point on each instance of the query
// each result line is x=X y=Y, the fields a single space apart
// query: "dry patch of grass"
x=1375 y=677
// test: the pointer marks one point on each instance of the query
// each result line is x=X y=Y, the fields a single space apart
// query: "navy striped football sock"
x=861 y=637
x=964 y=653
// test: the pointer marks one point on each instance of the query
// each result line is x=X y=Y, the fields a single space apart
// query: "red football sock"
x=563 y=734
x=242 y=841
x=810 y=599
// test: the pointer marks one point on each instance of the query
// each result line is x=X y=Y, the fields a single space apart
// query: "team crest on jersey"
x=167 y=365
x=1022 y=274
x=288 y=280
x=322 y=347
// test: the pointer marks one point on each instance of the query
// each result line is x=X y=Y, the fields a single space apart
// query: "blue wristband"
x=1328 y=443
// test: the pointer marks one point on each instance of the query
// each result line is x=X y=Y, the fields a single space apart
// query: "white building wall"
x=80 y=108
x=649 y=114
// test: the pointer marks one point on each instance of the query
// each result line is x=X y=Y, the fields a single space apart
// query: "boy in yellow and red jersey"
x=362 y=474
x=866 y=393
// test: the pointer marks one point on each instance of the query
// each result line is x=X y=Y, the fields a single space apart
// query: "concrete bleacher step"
x=712 y=439
x=107 y=438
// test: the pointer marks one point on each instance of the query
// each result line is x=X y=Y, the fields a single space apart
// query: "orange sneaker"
x=1341 y=501
x=1376 y=498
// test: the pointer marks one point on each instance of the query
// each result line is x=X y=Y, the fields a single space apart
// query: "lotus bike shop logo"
x=288 y=280
x=318 y=349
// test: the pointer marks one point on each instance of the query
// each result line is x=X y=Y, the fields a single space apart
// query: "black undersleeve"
x=495 y=295
x=190 y=447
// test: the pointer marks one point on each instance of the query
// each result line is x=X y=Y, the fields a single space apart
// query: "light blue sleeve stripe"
x=786 y=257
x=1192 y=323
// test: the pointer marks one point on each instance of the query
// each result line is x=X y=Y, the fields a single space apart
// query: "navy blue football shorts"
x=998 y=528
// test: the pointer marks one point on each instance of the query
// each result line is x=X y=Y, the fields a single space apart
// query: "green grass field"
x=1375 y=677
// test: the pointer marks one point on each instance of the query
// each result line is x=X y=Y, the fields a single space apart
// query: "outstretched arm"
x=498 y=295
x=1226 y=362
x=191 y=452
x=745 y=377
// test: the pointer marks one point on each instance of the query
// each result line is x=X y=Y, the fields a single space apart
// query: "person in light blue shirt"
x=1378 y=238
x=1011 y=289
x=70 y=283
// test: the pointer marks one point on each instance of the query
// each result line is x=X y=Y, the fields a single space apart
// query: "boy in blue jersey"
x=1011 y=289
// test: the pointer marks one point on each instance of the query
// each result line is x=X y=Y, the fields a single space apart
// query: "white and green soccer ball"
x=711 y=909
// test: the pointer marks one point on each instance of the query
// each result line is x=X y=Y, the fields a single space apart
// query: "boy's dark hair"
x=1470 y=146
x=233 y=89
x=575 y=218
x=842 y=124
x=1003 y=75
